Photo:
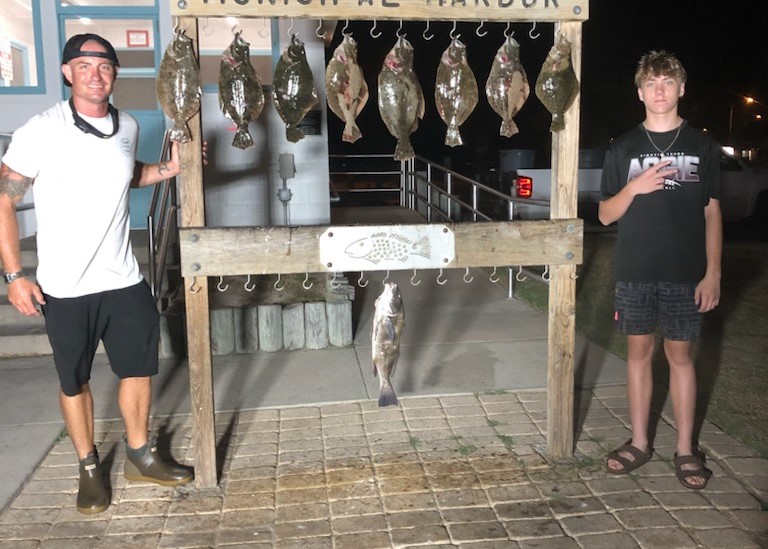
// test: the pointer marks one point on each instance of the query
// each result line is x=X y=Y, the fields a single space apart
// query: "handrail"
x=161 y=224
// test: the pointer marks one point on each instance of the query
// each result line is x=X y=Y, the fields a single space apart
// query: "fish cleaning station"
x=210 y=252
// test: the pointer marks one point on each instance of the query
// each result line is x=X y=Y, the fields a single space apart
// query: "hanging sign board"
x=413 y=10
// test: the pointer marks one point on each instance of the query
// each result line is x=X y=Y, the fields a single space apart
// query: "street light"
x=747 y=101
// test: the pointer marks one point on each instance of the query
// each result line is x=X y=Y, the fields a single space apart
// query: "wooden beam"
x=412 y=10
x=196 y=294
x=271 y=250
x=562 y=284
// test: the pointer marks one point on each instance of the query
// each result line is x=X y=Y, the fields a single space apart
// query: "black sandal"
x=684 y=474
x=627 y=466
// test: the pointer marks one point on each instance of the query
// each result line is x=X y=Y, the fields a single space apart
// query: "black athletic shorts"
x=641 y=306
x=126 y=320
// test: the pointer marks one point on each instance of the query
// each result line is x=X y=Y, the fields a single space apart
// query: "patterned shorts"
x=641 y=306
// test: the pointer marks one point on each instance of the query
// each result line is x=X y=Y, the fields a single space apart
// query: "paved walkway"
x=467 y=471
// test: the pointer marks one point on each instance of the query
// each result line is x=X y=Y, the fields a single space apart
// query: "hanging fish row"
x=400 y=97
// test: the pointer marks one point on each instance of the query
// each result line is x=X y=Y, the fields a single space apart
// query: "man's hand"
x=25 y=296
x=707 y=294
x=652 y=179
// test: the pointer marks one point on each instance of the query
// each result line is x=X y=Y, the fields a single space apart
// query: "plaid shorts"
x=641 y=306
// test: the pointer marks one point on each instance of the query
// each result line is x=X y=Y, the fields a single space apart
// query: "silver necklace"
x=669 y=146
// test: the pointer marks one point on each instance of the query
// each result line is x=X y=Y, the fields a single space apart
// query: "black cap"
x=72 y=50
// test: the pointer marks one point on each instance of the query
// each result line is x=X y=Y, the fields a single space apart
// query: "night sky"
x=722 y=45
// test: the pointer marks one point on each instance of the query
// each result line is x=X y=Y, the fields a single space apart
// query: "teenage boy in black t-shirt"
x=661 y=183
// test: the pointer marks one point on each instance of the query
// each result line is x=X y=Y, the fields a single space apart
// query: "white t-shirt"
x=80 y=188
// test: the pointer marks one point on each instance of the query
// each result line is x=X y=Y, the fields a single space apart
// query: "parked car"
x=744 y=189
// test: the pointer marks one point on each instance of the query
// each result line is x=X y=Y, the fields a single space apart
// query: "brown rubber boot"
x=92 y=496
x=151 y=468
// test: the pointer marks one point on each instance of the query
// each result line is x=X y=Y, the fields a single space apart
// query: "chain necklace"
x=669 y=146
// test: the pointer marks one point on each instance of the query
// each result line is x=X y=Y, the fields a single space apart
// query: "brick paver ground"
x=467 y=471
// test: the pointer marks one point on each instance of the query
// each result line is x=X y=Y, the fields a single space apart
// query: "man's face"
x=660 y=94
x=92 y=78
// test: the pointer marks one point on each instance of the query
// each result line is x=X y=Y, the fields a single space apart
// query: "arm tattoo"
x=13 y=183
x=162 y=168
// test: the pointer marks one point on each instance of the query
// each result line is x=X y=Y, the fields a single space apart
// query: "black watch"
x=10 y=277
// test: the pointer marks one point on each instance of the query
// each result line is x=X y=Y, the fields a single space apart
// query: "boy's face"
x=661 y=94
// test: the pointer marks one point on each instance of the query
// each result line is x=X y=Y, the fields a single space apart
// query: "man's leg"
x=639 y=392
x=682 y=391
x=134 y=398
x=77 y=412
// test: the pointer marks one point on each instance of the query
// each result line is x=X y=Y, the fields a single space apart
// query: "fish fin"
x=404 y=149
x=508 y=128
x=422 y=247
x=387 y=397
x=242 y=139
x=294 y=133
x=180 y=133
x=453 y=137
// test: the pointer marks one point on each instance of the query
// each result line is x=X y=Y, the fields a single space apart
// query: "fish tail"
x=558 y=123
x=180 y=133
x=422 y=247
x=351 y=133
x=294 y=133
x=508 y=128
x=242 y=139
x=404 y=149
x=453 y=137
x=387 y=396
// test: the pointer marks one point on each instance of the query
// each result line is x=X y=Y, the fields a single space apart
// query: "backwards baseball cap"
x=74 y=49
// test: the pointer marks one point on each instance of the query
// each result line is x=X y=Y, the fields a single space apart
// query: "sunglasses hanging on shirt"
x=85 y=127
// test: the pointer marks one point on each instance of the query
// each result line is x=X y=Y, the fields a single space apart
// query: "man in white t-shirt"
x=81 y=157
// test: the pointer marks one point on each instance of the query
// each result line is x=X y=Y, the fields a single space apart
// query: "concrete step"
x=25 y=341
x=9 y=316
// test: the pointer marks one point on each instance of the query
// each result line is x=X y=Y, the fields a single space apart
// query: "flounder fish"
x=401 y=100
x=293 y=88
x=178 y=86
x=557 y=85
x=455 y=90
x=386 y=333
x=240 y=95
x=507 y=86
x=345 y=87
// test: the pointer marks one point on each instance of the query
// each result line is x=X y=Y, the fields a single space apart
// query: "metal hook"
x=194 y=288
x=530 y=33
x=373 y=29
x=573 y=274
x=304 y=284
x=263 y=28
x=545 y=275
x=344 y=30
x=319 y=28
x=426 y=31
x=438 y=278
x=453 y=34
x=466 y=274
x=385 y=278
x=334 y=283
x=399 y=30
x=290 y=29
x=247 y=282
x=520 y=272
x=360 y=281
x=176 y=29
x=494 y=280
x=480 y=27
x=205 y=28
x=220 y=284
x=507 y=34
x=413 y=278
x=277 y=282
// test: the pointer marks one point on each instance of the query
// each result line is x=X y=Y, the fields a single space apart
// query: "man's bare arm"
x=13 y=187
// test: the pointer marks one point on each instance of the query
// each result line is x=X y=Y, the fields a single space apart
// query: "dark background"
x=722 y=45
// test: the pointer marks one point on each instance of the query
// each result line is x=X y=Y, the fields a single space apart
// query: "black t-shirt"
x=661 y=237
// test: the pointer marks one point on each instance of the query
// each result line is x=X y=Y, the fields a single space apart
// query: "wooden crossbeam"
x=412 y=10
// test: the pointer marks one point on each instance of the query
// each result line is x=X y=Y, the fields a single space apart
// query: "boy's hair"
x=659 y=63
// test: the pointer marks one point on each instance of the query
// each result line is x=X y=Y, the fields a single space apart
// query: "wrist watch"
x=10 y=277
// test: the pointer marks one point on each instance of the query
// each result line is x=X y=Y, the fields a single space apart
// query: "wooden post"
x=196 y=293
x=562 y=284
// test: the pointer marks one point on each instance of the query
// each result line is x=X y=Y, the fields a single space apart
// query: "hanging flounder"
x=240 y=95
x=293 y=88
x=178 y=86
x=507 y=86
x=401 y=100
x=455 y=90
x=345 y=87
x=557 y=85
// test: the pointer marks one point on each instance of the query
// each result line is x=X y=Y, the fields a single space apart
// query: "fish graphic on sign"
x=385 y=246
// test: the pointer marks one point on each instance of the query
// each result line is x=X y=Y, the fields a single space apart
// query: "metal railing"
x=161 y=225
